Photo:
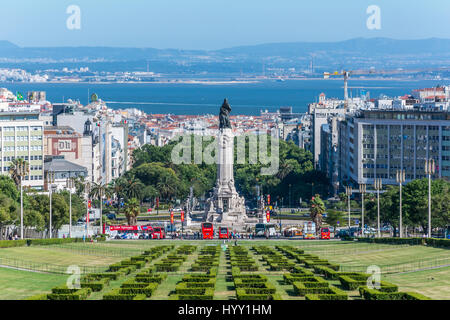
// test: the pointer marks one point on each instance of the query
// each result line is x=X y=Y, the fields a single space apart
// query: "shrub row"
x=71 y=294
x=117 y=295
x=372 y=294
x=239 y=258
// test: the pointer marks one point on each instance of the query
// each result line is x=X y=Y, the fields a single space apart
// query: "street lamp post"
x=362 y=190
x=429 y=170
x=50 y=181
x=87 y=189
x=70 y=185
x=378 y=184
x=290 y=205
x=400 y=180
x=23 y=171
x=348 y=192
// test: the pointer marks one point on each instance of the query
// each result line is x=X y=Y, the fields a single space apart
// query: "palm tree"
x=17 y=167
x=117 y=188
x=132 y=211
x=316 y=210
x=166 y=187
x=99 y=190
x=134 y=188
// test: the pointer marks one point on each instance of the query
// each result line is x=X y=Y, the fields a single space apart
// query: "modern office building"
x=22 y=137
x=377 y=143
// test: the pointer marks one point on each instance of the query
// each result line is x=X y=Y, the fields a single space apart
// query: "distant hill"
x=353 y=53
x=366 y=46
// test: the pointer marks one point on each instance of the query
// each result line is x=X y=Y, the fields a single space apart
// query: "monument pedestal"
x=226 y=206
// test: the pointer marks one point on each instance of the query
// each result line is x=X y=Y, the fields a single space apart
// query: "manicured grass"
x=17 y=284
x=20 y=284
x=57 y=256
x=434 y=283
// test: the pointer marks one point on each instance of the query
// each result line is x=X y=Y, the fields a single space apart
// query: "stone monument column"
x=225 y=205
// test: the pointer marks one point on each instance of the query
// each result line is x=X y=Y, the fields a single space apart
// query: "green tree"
x=132 y=211
x=15 y=168
x=333 y=217
x=316 y=210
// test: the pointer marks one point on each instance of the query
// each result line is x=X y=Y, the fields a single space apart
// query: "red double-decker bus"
x=207 y=230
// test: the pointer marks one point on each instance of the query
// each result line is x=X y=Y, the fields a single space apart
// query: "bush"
x=293 y=277
x=80 y=294
x=95 y=285
x=206 y=294
x=157 y=278
x=353 y=282
x=104 y=275
x=116 y=295
x=242 y=294
x=12 y=243
x=372 y=294
x=147 y=290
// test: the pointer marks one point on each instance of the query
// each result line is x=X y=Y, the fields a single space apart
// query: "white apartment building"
x=21 y=136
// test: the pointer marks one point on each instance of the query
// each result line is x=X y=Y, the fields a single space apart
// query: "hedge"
x=80 y=294
x=372 y=294
x=180 y=289
x=95 y=285
x=353 y=282
x=116 y=295
x=103 y=275
x=242 y=294
x=290 y=278
x=326 y=296
x=206 y=294
x=301 y=290
x=211 y=283
x=147 y=290
x=37 y=242
x=157 y=278
x=250 y=283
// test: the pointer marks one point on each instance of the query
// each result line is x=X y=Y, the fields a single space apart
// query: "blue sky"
x=214 y=24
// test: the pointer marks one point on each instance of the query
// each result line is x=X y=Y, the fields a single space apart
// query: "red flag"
x=268 y=199
x=268 y=215
x=171 y=217
x=182 y=216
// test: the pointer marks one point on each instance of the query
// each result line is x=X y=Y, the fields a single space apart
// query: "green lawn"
x=17 y=285
x=435 y=283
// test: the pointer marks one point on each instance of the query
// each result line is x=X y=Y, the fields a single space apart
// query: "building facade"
x=22 y=135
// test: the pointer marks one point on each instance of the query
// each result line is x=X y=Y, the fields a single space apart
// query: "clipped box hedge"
x=80 y=294
x=353 y=282
x=116 y=295
x=96 y=285
x=147 y=290
x=206 y=294
x=243 y=294
x=156 y=278
x=211 y=283
x=290 y=278
x=373 y=294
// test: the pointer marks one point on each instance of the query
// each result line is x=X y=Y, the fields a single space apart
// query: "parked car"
x=111 y=216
